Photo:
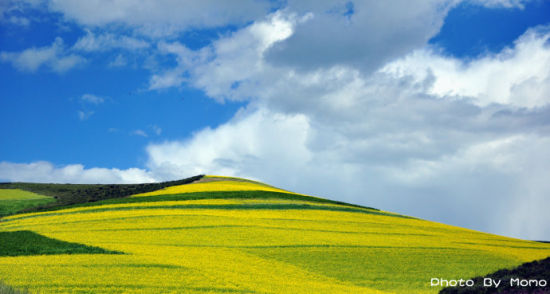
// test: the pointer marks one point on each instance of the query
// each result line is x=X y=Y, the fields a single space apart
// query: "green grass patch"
x=397 y=268
x=14 y=200
x=20 y=243
x=8 y=207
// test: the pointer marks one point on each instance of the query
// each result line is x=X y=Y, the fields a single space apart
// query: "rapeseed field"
x=225 y=235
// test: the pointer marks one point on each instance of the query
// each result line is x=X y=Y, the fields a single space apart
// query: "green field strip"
x=15 y=200
x=503 y=246
x=218 y=206
x=437 y=249
x=251 y=226
x=119 y=265
x=20 y=243
x=212 y=195
x=10 y=207
x=386 y=268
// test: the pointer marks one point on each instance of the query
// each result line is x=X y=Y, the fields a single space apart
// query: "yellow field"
x=227 y=185
x=247 y=245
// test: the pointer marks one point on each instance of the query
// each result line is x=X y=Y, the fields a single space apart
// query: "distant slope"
x=68 y=194
x=14 y=200
x=204 y=238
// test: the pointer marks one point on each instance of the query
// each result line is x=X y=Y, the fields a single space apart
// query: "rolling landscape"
x=213 y=234
x=275 y=146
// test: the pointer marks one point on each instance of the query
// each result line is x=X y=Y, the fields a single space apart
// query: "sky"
x=434 y=109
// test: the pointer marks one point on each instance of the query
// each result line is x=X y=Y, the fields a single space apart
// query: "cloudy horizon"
x=435 y=109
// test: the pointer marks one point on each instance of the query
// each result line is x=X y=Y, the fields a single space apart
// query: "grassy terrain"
x=67 y=194
x=19 y=243
x=258 y=240
x=14 y=200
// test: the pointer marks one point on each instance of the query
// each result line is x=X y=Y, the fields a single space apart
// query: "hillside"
x=68 y=194
x=221 y=234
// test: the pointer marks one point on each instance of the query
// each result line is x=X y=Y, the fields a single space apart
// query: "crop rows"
x=189 y=243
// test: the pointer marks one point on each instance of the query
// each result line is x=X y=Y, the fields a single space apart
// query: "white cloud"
x=119 y=61
x=506 y=177
x=45 y=172
x=365 y=34
x=53 y=57
x=93 y=99
x=12 y=12
x=510 y=77
x=186 y=60
x=501 y=3
x=19 y=20
x=160 y=18
x=84 y=115
x=236 y=148
x=108 y=41
x=236 y=58
x=140 y=133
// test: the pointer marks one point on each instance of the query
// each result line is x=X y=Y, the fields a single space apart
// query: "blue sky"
x=436 y=109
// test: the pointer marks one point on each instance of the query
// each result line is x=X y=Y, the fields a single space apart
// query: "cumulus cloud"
x=45 y=172
x=240 y=146
x=509 y=77
x=160 y=18
x=218 y=68
x=364 y=34
x=53 y=57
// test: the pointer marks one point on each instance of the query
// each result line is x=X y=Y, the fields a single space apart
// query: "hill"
x=221 y=234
